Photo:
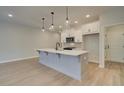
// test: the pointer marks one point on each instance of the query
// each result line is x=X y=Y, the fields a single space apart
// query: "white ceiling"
x=32 y=15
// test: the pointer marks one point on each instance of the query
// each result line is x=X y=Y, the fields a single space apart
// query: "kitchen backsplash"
x=76 y=45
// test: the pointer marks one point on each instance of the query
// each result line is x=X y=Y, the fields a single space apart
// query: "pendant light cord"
x=67 y=13
x=52 y=13
x=43 y=22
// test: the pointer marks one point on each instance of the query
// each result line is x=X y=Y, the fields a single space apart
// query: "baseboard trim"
x=93 y=61
x=101 y=66
x=18 y=59
x=114 y=61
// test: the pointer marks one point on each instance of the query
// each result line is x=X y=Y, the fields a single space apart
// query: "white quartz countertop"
x=65 y=52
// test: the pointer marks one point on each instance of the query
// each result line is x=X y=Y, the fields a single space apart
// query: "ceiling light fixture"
x=52 y=25
x=67 y=18
x=60 y=28
x=10 y=15
x=43 y=28
x=87 y=16
x=49 y=28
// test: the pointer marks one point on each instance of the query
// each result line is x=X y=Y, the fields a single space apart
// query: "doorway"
x=114 y=44
x=91 y=44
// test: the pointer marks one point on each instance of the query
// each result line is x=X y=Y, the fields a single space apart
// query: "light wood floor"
x=30 y=72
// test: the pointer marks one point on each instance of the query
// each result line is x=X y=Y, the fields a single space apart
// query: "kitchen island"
x=70 y=62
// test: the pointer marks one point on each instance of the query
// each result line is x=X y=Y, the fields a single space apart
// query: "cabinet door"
x=72 y=33
x=86 y=28
x=98 y=26
x=95 y=27
x=52 y=60
x=91 y=28
x=49 y=59
x=70 y=65
x=78 y=36
x=43 y=57
x=63 y=37
x=83 y=29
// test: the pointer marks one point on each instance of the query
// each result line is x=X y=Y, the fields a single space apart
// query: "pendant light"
x=67 y=18
x=52 y=25
x=43 y=28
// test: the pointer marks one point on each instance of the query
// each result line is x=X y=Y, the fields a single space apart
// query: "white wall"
x=113 y=17
x=19 y=41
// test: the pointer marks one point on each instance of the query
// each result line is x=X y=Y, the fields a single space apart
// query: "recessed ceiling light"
x=87 y=16
x=10 y=15
x=75 y=22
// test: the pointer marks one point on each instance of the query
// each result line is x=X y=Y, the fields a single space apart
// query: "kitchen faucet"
x=58 y=45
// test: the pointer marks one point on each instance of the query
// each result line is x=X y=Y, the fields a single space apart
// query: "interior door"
x=115 y=39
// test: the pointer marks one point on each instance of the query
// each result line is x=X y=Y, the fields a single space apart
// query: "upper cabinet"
x=78 y=36
x=72 y=33
x=90 y=28
x=63 y=37
x=66 y=34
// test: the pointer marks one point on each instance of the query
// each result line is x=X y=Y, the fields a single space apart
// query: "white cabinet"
x=90 y=28
x=86 y=28
x=78 y=36
x=63 y=37
x=73 y=33
x=95 y=27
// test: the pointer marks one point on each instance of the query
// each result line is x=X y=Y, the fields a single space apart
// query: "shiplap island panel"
x=69 y=62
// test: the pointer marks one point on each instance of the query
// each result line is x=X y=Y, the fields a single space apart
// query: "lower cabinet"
x=53 y=59
x=49 y=59
x=43 y=57
x=70 y=65
x=67 y=64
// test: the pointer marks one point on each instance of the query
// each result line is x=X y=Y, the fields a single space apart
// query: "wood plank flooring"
x=32 y=73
